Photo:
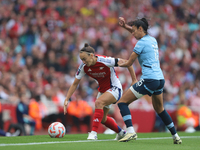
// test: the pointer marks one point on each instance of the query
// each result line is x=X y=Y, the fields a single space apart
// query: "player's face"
x=137 y=32
x=87 y=58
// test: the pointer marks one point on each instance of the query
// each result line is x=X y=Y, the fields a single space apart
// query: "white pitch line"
x=161 y=138
x=39 y=143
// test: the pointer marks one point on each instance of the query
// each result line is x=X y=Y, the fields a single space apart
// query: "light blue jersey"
x=147 y=50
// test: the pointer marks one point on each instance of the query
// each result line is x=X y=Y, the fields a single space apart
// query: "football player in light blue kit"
x=151 y=82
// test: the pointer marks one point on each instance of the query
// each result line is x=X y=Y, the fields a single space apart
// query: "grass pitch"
x=145 y=141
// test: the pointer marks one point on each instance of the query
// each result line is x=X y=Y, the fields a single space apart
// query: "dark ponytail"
x=86 y=45
x=140 y=22
x=87 y=48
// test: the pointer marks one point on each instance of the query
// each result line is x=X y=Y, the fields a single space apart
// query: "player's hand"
x=122 y=22
x=121 y=62
x=65 y=106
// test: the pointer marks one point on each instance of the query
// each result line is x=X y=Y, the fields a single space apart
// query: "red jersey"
x=103 y=72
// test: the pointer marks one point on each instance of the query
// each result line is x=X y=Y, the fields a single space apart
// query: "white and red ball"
x=56 y=130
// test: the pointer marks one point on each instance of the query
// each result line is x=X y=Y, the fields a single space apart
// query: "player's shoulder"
x=81 y=67
x=147 y=39
x=104 y=59
x=101 y=56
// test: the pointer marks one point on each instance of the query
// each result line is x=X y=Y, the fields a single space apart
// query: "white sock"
x=175 y=135
x=121 y=132
x=130 y=130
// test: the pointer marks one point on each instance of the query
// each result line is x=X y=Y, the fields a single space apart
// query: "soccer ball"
x=56 y=130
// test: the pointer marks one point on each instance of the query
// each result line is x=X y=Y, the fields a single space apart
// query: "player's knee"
x=158 y=108
x=99 y=104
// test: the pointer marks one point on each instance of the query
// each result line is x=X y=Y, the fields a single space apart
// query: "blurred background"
x=39 y=55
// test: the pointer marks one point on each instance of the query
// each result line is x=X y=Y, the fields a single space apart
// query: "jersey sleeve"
x=108 y=61
x=139 y=47
x=80 y=72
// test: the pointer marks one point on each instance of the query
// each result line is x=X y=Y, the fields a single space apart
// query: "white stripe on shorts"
x=138 y=95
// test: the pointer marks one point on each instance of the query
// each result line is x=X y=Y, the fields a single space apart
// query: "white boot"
x=92 y=135
x=120 y=135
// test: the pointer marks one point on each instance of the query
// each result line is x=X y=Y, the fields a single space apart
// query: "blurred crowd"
x=40 y=42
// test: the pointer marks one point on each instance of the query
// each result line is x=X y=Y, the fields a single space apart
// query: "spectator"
x=186 y=119
x=22 y=113
x=35 y=112
x=3 y=133
x=50 y=100
x=1 y=118
x=80 y=111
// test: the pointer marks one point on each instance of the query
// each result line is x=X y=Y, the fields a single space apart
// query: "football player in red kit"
x=101 y=68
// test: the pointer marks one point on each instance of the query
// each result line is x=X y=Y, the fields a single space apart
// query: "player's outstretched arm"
x=132 y=73
x=123 y=24
x=130 y=69
x=129 y=62
x=69 y=93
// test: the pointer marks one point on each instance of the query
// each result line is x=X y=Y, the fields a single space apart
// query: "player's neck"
x=143 y=35
x=94 y=60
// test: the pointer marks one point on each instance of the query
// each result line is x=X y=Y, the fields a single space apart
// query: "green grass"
x=145 y=141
